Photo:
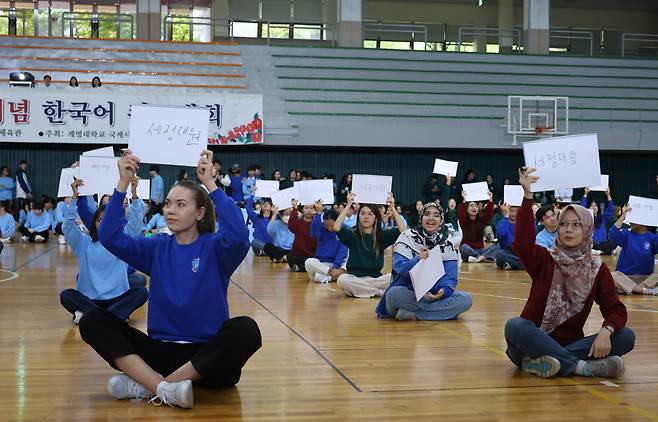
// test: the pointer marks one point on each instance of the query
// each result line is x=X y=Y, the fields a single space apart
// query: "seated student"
x=37 y=226
x=473 y=221
x=366 y=244
x=414 y=220
x=546 y=216
x=249 y=183
x=102 y=280
x=7 y=222
x=635 y=266
x=329 y=261
x=602 y=245
x=547 y=339
x=191 y=337
x=443 y=301
x=49 y=207
x=506 y=259
x=26 y=208
x=157 y=223
x=260 y=222
x=282 y=238
x=350 y=216
x=304 y=245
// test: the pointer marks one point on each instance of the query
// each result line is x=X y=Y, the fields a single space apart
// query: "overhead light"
x=19 y=78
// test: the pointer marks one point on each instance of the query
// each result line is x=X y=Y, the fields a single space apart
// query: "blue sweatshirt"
x=282 y=237
x=7 y=186
x=350 y=222
x=600 y=234
x=102 y=275
x=330 y=249
x=260 y=223
x=248 y=187
x=7 y=226
x=546 y=239
x=53 y=217
x=236 y=188
x=637 y=251
x=400 y=276
x=157 y=188
x=60 y=211
x=157 y=221
x=188 y=290
x=38 y=223
x=505 y=233
x=22 y=217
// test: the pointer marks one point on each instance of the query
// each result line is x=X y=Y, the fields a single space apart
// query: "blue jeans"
x=449 y=308
x=258 y=246
x=525 y=339
x=121 y=306
x=506 y=256
x=489 y=253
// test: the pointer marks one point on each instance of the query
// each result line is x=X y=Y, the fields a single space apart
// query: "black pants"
x=58 y=229
x=297 y=260
x=26 y=232
x=606 y=247
x=274 y=252
x=219 y=361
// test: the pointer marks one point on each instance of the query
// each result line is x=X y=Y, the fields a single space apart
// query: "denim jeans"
x=258 y=247
x=505 y=256
x=121 y=306
x=443 y=309
x=489 y=253
x=524 y=338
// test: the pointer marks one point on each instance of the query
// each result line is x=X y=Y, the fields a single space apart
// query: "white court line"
x=12 y=275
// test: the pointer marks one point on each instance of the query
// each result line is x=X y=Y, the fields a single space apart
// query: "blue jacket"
x=7 y=226
x=260 y=223
x=236 y=188
x=637 y=251
x=188 y=290
x=505 y=233
x=330 y=249
x=7 y=186
x=400 y=276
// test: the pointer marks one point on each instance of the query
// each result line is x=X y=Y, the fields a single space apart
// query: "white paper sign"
x=564 y=162
x=371 y=189
x=310 y=191
x=513 y=195
x=447 y=168
x=265 y=188
x=168 y=135
x=476 y=191
x=427 y=272
x=100 y=175
x=66 y=177
x=144 y=189
x=283 y=198
x=563 y=195
x=643 y=211
x=100 y=152
x=605 y=182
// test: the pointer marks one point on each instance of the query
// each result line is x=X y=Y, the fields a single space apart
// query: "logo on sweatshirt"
x=647 y=245
x=195 y=264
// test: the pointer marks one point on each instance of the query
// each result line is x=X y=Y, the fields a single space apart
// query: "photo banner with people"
x=103 y=117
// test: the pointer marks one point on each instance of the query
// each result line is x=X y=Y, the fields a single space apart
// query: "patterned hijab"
x=574 y=274
x=412 y=241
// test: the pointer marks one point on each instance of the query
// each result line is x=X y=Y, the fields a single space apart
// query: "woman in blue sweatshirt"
x=282 y=237
x=7 y=222
x=102 y=281
x=635 y=267
x=37 y=226
x=191 y=337
x=260 y=222
x=442 y=301
x=331 y=255
x=602 y=245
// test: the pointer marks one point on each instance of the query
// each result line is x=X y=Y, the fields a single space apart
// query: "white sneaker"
x=61 y=239
x=472 y=260
x=123 y=387
x=321 y=278
x=39 y=238
x=77 y=316
x=543 y=366
x=617 y=250
x=596 y=252
x=25 y=238
x=175 y=394
x=6 y=240
x=652 y=291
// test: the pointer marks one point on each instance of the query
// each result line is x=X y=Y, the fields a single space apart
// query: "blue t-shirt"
x=546 y=239
x=637 y=251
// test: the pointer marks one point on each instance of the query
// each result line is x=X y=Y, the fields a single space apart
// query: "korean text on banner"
x=564 y=162
x=311 y=191
x=447 y=168
x=168 y=135
x=513 y=195
x=476 y=191
x=99 y=174
x=370 y=189
x=427 y=272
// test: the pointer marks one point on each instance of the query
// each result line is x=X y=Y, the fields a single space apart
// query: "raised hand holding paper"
x=447 y=168
x=605 y=183
x=100 y=175
x=371 y=189
x=310 y=191
x=427 y=272
x=643 y=211
x=283 y=198
x=265 y=188
x=513 y=195
x=476 y=191
x=168 y=135
x=65 y=179
x=564 y=162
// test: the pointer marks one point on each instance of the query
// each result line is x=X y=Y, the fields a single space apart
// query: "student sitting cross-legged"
x=260 y=221
x=191 y=337
x=282 y=238
x=329 y=261
x=547 y=339
x=304 y=245
x=366 y=243
x=37 y=225
x=443 y=301
x=635 y=266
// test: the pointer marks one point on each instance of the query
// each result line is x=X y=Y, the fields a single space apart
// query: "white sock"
x=580 y=368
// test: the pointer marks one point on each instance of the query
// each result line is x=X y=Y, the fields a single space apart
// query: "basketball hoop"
x=539 y=130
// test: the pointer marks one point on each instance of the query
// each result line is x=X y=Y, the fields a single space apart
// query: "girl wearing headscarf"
x=442 y=302
x=548 y=339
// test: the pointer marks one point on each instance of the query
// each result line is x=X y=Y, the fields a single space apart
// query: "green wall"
x=632 y=173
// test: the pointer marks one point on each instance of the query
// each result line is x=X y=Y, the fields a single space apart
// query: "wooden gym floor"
x=324 y=356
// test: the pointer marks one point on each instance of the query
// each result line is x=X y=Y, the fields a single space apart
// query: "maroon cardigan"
x=304 y=244
x=540 y=266
x=473 y=230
